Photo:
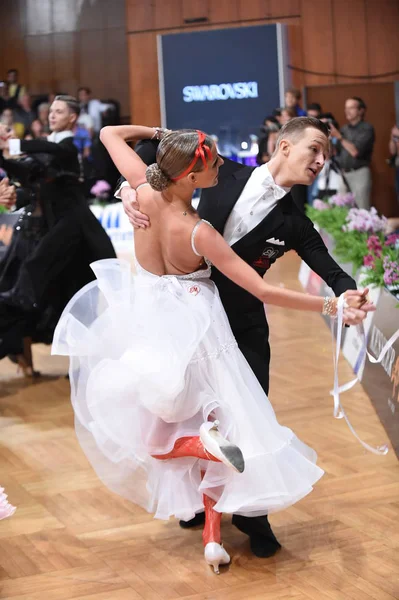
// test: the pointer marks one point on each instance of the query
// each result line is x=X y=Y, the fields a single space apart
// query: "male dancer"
x=252 y=207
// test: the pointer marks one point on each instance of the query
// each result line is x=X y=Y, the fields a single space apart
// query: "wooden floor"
x=71 y=538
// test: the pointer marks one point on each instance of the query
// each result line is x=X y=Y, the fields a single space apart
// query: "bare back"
x=165 y=248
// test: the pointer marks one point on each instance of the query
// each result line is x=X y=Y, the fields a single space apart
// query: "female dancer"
x=167 y=408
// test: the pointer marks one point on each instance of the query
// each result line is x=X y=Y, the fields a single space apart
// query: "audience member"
x=314 y=110
x=7 y=119
x=292 y=98
x=24 y=113
x=35 y=131
x=355 y=142
x=15 y=89
x=93 y=108
x=43 y=111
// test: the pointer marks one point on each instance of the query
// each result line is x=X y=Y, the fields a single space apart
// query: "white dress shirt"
x=94 y=109
x=259 y=196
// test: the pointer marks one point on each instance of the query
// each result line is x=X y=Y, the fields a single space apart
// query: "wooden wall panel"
x=58 y=45
x=223 y=11
x=93 y=62
x=195 y=10
x=254 y=9
x=284 y=8
x=140 y=16
x=383 y=37
x=350 y=44
x=38 y=17
x=379 y=98
x=39 y=50
x=317 y=36
x=65 y=57
x=168 y=13
x=295 y=58
x=91 y=15
x=64 y=15
x=143 y=63
x=114 y=15
x=116 y=84
x=12 y=39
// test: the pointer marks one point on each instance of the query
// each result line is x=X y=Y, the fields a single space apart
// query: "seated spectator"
x=292 y=98
x=43 y=111
x=7 y=119
x=314 y=110
x=24 y=113
x=15 y=89
x=35 y=131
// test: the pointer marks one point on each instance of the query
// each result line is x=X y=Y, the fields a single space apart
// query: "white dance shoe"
x=216 y=555
x=216 y=445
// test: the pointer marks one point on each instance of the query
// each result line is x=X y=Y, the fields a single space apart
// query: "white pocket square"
x=274 y=241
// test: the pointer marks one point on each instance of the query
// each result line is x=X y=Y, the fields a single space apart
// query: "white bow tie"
x=278 y=192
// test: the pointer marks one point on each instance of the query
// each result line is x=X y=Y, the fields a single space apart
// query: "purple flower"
x=391 y=271
x=100 y=188
x=320 y=205
x=359 y=219
x=342 y=200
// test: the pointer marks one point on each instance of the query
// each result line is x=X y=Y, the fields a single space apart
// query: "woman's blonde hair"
x=176 y=151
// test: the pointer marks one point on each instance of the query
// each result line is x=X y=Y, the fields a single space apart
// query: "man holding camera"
x=355 y=142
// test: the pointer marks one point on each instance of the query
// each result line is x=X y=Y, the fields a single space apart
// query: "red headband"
x=200 y=152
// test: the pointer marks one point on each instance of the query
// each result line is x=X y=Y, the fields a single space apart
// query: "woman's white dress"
x=152 y=358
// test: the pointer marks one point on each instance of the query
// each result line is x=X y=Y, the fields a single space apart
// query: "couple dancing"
x=167 y=408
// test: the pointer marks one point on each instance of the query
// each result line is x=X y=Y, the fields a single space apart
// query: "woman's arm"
x=211 y=244
x=128 y=163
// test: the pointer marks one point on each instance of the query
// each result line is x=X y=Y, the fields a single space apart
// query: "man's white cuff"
x=14 y=147
x=118 y=191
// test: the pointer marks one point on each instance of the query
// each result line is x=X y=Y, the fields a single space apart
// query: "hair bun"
x=156 y=178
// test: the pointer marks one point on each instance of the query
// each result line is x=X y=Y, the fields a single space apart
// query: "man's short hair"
x=84 y=89
x=361 y=103
x=295 y=92
x=314 y=106
x=296 y=126
x=12 y=71
x=71 y=102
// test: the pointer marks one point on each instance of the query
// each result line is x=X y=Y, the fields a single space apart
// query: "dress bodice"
x=199 y=274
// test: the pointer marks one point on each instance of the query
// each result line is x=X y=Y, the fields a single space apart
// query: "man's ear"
x=73 y=117
x=285 y=147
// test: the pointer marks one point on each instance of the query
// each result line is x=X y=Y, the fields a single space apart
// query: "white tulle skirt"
x=151 y=359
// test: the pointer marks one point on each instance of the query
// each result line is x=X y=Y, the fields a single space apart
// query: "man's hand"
x=132 y=209
x=358 y=306
x=334 y=132
x=8 y=195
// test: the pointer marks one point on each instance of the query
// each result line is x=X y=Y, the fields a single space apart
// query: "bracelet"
x=329 y=307
x=160 y=132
